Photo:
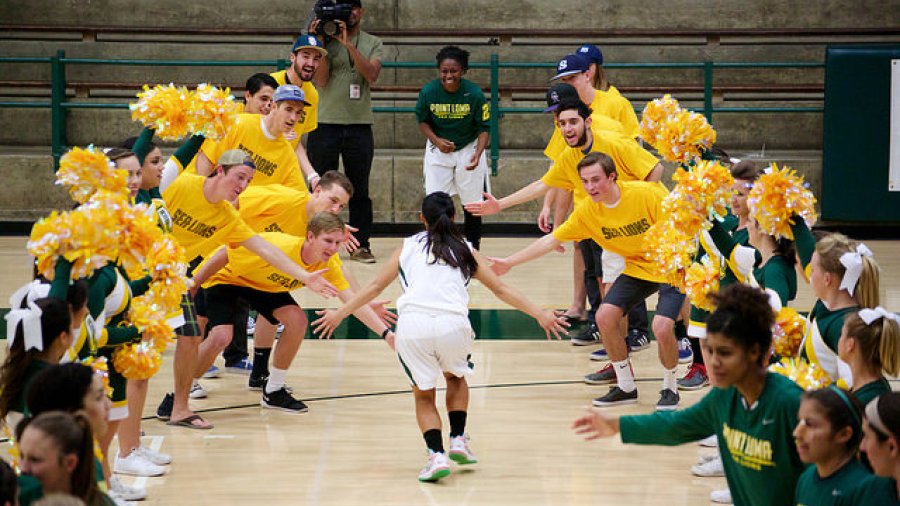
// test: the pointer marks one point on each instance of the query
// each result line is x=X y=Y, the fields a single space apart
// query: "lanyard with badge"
x=355 y=83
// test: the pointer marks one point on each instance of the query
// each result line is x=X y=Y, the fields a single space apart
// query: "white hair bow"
x=29 y=292
x=853 y=262
x=870 y=315
x=30 y=318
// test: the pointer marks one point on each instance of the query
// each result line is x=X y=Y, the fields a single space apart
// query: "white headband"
x=853 y=262
x=31 y=326
x=29 y=292
x=874 y=418
x=870 y=315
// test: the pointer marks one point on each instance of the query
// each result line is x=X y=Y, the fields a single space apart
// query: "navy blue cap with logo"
x=559 y=93
x=592 y=52
x=571 y=64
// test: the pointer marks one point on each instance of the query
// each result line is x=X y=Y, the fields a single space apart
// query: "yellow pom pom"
x=700 y=280
x=677 y=134
x=801 y=372
x=670 y=250
x=139 y=234
x=776 y=197
x=87 y=170
x=101 y=368
x=165 y=109
x=788 y=331
x=213 y=111
x=137 y=361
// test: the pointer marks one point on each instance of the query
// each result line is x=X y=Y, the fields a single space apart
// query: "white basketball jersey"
x=428 y=285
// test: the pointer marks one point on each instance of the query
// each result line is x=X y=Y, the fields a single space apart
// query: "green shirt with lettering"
x=457 y=117
x=756 y=442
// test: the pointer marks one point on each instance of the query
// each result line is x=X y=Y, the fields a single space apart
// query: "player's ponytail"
x=443 y=240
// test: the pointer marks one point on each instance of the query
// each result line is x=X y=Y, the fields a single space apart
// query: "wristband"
x=385 y=333
x=310 y=177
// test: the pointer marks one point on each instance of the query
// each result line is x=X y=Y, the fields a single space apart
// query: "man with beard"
x=344 y=79
x=306 y=56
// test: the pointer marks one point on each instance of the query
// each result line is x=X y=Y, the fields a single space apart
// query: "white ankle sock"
x=276 y=379
x=669 y=381
x=624 y=375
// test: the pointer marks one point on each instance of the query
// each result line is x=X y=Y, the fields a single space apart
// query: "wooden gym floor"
x=359 y=443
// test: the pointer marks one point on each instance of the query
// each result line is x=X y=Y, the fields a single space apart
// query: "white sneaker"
x=720 y=496
x=119 y=490
x=706 y=458
x=709 y=442
x=157 y=458
x=710 y=468
x=197 y=391
x=437 y=467
x=251 y=326
x=136 y=464
x=460 y=452
x=118 y=501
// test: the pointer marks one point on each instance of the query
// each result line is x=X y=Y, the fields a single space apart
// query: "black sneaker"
x=615 y=397
x=587 y=337
x=668 y=400
x=164 y=411
x=281 y=399
x=257 y=383
x=637 y=340
x=604 y=376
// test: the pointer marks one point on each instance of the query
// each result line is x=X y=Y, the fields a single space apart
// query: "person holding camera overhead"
x=351 y=66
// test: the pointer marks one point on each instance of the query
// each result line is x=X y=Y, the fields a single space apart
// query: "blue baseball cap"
x=309 y=42
x=592 y=52
x=290 y=92
x=571 y=64
x=559 y=93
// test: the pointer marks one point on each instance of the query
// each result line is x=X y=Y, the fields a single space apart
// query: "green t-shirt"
x=870 y=391
x=756 y=443
x=875 y=490
x=779 y=275
x=458 y=117
x=335 y=102
x=813 y=490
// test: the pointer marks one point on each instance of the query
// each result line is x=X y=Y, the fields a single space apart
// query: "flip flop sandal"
x=188 y=422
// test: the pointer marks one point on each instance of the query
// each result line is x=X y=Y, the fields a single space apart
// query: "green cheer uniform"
x=868 y=392
x=756 y=442
x=875 y=490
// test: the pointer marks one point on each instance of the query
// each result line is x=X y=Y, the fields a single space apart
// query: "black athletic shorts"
x=223 y=301
x=627 y=292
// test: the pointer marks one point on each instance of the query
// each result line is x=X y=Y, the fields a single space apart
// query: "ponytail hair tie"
x=30 y=318
x=868 y=316
x=29 y=292
x=853 y=262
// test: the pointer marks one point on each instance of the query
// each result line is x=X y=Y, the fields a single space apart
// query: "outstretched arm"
x=268 y=252
x=537 y=249
x=331 y=318
x=493 y=206
x=546 y=318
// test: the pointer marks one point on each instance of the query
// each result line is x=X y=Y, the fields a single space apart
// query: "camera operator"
x=344 y=78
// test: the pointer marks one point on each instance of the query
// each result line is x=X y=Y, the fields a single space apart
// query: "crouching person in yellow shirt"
x=236 y=273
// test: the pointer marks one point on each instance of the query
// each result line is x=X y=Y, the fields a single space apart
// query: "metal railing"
x=59 y=105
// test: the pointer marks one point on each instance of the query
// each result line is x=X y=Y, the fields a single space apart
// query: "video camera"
x=329 y=12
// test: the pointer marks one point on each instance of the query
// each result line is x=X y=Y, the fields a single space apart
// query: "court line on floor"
x=405 y=391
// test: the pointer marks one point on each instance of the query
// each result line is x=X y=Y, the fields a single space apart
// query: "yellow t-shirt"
x=274 y=208
x=276 y=162
x=620 y=228
x=557 y=143
x=246 y=268
x=309 y=118
x=613 y=105
x=633 y=163
x=197 y=224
